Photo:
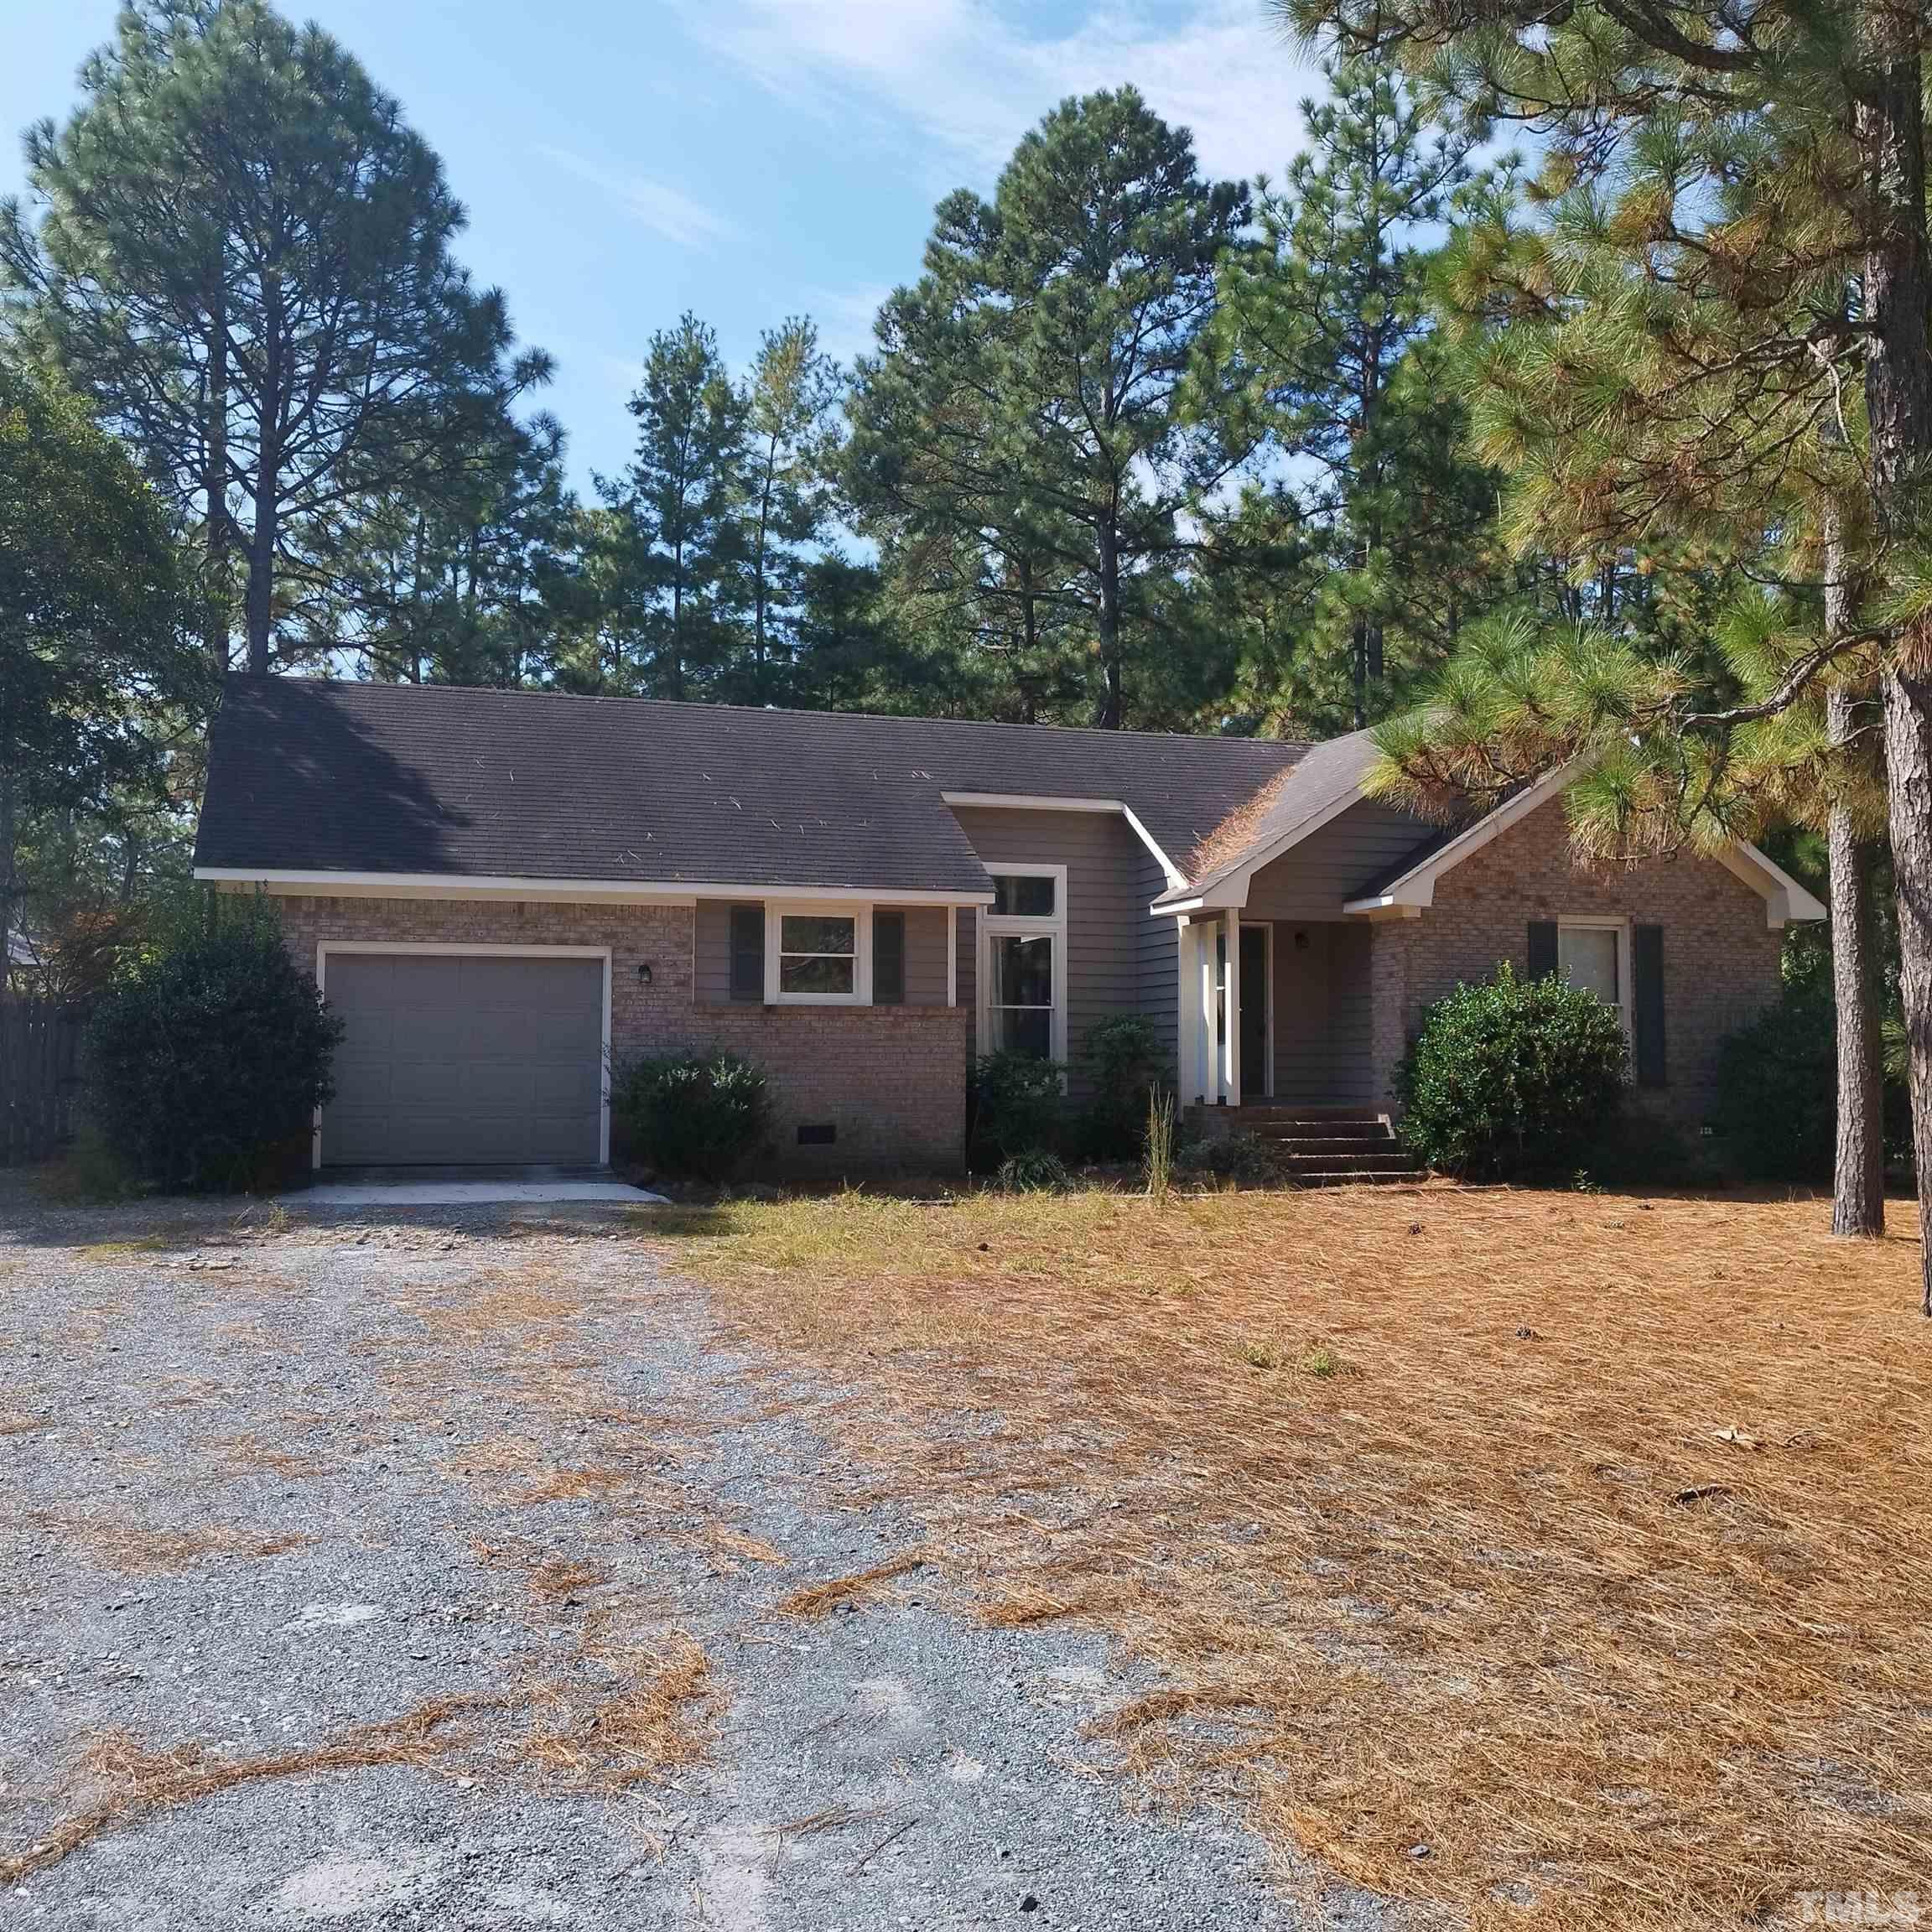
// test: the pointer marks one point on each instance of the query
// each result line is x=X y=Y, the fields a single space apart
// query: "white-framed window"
x=1023 y=962
x=1594 y=954
x=817 y=955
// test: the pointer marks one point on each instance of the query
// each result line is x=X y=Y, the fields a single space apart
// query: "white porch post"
x=952 y=955
x=1187 y=1037
x=1231 y=1001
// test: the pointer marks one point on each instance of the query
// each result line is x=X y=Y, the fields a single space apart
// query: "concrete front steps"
x=1329 y=1146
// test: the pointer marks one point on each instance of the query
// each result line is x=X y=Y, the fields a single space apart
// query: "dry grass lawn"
x=1563 y=1559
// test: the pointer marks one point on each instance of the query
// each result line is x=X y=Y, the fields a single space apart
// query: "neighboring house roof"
x=316 y=777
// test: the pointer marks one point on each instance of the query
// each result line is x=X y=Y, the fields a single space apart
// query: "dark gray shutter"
x=1647 y=1002
x=1542 y=948
x=748 y=953
x=888 y=958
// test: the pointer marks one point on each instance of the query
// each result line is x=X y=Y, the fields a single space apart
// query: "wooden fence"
x=39 y=1056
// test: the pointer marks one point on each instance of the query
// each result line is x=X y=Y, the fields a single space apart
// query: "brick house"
x=503 y=893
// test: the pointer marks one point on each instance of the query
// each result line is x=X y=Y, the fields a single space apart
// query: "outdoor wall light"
x=643 y=972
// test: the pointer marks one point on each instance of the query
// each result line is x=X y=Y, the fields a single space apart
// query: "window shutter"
x=1542 y=948
x=748 y=953
x=1647 y=1003
x=888 y=958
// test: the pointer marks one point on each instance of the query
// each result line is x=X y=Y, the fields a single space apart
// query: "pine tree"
x=682 y=580
x=98 y=661
x=244 y=263
x=1751 y=196
x=789 y=493
x=1022 y=428
x=1325 y=333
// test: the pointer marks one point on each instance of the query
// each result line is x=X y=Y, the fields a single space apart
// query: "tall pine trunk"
x=1858 y=1181
x=1890 y=128
x=260 y=606
x=218 y=616
x=1113 y=707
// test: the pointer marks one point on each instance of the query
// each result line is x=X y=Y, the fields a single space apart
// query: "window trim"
x=777 y=911
x=1604 y=922
x=996 y=926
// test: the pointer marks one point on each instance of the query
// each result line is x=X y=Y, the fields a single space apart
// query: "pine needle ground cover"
x=1557 y=1558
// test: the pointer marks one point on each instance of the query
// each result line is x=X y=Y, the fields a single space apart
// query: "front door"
x=1257 y=1076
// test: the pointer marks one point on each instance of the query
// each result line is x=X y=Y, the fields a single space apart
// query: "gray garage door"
x=465 y=1060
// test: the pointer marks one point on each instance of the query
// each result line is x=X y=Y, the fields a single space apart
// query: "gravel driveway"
x=429 y=1573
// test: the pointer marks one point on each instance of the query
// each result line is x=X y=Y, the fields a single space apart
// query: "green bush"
x=1120 y=1056
x=1018 y=1108
x=700 y=1115
x=1776 y=1105
x=1513 y=1076
x=204 y=1069
x=1038 y=1172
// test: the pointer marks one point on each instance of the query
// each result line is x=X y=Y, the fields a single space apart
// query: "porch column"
x=1187 y=1033
x=1231 y=1009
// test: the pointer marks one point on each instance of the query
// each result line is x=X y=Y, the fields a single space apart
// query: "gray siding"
x=1321 y=1014
x=1157 y=964
x=1111 y=964
x=925 y=953
x=1312 y=880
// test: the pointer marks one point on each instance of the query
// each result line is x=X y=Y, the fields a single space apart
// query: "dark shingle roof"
x=315 y=776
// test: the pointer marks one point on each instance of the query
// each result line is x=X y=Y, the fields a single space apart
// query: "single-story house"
x=503 y=891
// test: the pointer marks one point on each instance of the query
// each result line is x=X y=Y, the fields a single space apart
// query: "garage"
x=466 y=1059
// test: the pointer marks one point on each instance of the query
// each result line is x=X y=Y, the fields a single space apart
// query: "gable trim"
x=1416 y=887
x=1785 y=901
x=1230 y=890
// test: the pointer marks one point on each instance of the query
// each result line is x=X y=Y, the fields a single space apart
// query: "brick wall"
x=1719 y=957
x=891 y=1081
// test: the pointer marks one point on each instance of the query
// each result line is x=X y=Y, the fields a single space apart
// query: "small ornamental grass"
x=205 y=1069
x=698 y=1115
x=1513 y=1076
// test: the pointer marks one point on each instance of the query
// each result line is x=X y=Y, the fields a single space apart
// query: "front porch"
x=1277 y=1014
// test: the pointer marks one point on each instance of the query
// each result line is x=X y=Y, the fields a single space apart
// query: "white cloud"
x=666 y=211
x=845 y=317
x=969 y=77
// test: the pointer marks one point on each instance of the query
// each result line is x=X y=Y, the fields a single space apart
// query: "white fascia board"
x=1031 y=801
x=453 y=885
x=1416 y=887
x=1786 y=902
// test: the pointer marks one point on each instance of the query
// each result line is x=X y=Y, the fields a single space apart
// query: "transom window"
x=1023 y=964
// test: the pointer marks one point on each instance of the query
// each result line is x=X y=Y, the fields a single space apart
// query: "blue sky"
x=746 y=159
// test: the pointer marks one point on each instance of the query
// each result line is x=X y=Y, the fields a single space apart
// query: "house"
x=502 y=891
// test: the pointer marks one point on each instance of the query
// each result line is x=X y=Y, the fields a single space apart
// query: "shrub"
x=1120 y=1056
x=1037 y=1172
x=1018 y=1107
x=1245 y=1159
x=1512 y=1077
x=1777 y=1105
x=205 y=1068
x=696 y=1115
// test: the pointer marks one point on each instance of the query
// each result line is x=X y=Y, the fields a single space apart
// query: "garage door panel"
x=459 y=1057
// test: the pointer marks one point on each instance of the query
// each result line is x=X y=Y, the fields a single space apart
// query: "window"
x=1595 y=955
x=817 y=956
x=1023 y=964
